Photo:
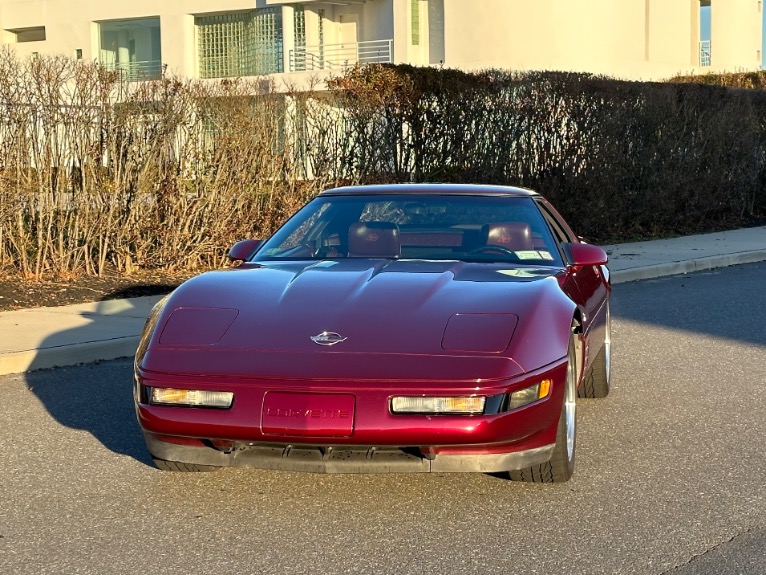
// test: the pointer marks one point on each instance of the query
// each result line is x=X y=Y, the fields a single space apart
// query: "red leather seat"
x=374 y=240
x=514 y=236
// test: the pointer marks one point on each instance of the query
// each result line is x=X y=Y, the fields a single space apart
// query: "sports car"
x=384 y=328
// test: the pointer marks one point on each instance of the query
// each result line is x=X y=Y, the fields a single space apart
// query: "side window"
x=301 y=233
x=561 y=232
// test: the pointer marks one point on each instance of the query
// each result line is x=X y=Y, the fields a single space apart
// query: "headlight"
x=458 y=405
x=149 y=326
x=530 y=394
x=190 y=397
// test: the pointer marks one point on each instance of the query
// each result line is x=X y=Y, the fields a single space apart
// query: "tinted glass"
x=469 y=228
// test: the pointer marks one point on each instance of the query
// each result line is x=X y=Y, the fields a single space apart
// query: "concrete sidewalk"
x=43 y=337
x=40 y=338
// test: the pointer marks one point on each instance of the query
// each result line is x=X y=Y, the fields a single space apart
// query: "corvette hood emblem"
x=328 y=338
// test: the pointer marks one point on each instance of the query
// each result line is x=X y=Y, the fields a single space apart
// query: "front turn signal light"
x=530 y=394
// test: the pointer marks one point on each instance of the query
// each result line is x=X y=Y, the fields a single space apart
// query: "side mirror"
x=243 y=250
x=584 y=255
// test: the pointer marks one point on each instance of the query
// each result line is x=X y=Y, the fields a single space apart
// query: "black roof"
x=436 y=189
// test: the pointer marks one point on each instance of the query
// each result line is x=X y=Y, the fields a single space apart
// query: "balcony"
x=341 y=56
x=137 y=71
x=705 y=53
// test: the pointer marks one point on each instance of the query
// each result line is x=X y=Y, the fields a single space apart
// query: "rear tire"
x=182 y=467
x=560 y=467
x=597 y=381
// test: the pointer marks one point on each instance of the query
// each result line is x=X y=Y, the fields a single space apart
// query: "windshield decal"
x=533 y=255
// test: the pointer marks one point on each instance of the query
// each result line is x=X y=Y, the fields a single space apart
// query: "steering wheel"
x=491 y=248
x=302 y=251
x=329 y=252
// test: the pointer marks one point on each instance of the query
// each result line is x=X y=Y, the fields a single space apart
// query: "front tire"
x=560 y=467
x=597 y=381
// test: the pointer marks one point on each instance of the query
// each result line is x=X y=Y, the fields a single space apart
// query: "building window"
x=298 y=56
x=299 y=24
x=132 y=47
x=705 y=33
x=415 y=20
x=240 y=43
x=320 y=34
x=436 y=31
x=35 y=34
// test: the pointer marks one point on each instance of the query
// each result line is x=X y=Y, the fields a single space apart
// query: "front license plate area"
x=308 y=414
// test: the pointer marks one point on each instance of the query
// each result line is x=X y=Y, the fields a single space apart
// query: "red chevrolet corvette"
x=392 y=328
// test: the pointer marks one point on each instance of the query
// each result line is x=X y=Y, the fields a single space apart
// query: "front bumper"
x=379 y=441
x=313 y=459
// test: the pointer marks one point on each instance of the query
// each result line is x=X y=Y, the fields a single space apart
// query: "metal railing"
x=705 y=53
x=137 y=71
x=341 y=56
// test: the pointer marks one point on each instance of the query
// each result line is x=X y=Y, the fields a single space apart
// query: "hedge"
x=98 y=173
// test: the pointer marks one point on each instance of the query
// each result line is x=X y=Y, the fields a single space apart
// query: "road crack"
x=739 y=555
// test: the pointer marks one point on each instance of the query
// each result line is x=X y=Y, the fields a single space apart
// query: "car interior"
x=418 y=230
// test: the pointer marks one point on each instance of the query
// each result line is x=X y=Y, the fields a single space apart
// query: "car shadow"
x=96 y=397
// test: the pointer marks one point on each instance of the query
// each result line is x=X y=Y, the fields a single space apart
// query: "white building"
x=646 y=39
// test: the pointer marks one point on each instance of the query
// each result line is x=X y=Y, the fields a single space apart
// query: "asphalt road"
x=670 y=478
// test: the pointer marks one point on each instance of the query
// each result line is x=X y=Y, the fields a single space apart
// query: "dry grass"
x=99 y=174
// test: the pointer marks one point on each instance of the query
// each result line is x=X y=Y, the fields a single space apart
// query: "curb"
x=687 y=266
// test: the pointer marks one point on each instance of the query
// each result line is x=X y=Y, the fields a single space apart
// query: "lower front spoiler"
x=311 y=459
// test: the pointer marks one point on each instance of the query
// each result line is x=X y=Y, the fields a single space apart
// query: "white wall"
x=736 y=19
x=624 y=38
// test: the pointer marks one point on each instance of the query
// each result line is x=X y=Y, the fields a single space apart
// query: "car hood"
x=400 y=311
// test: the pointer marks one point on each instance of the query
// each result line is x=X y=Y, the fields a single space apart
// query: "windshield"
x=429 y=227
